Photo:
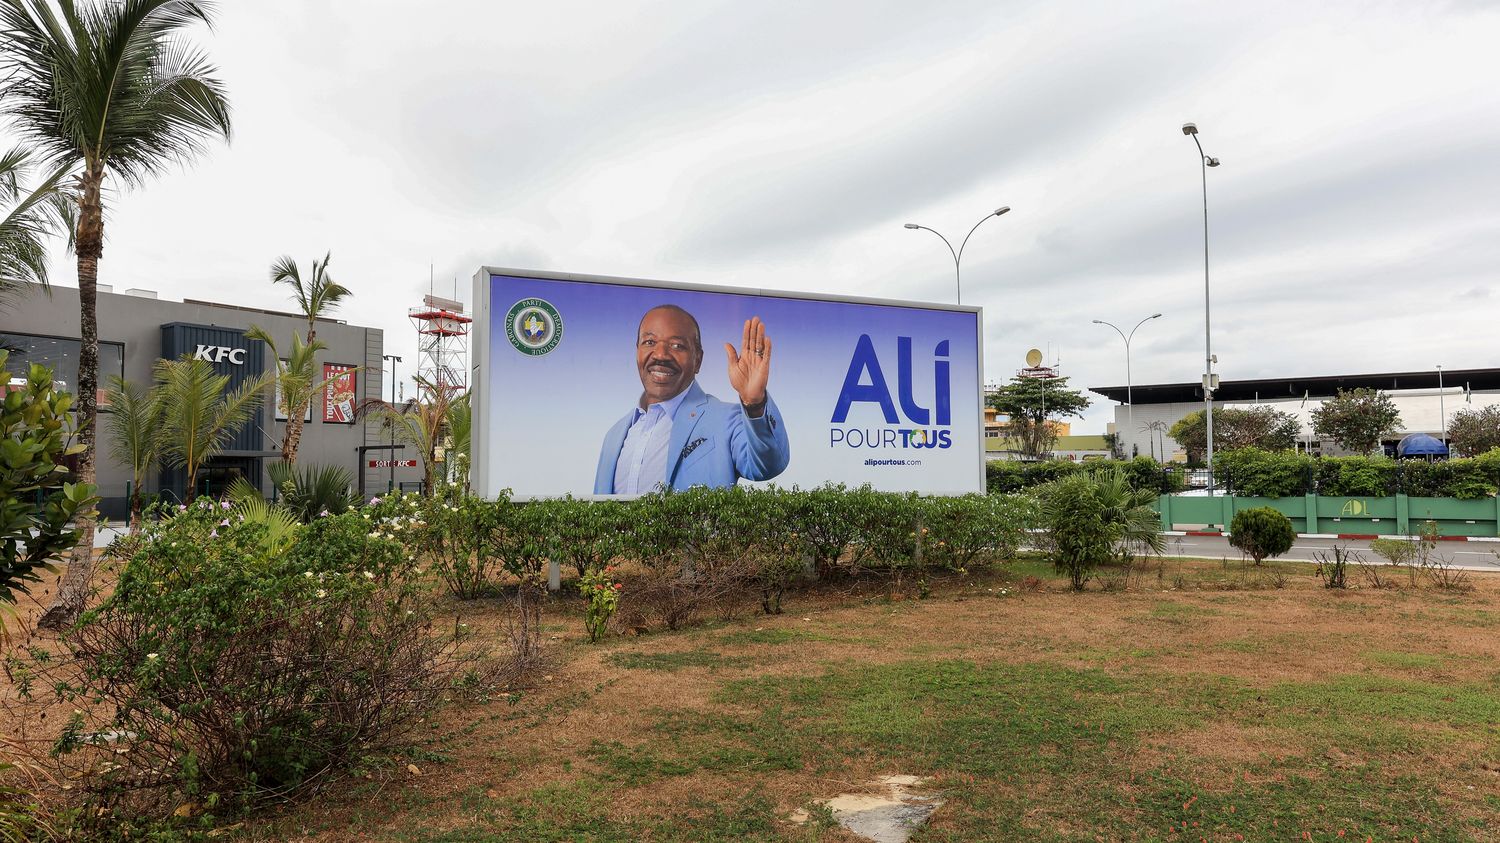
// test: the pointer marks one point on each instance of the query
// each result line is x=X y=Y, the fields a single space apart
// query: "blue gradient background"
x=548 y=414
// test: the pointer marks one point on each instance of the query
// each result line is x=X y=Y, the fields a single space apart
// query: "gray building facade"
x=136 y=328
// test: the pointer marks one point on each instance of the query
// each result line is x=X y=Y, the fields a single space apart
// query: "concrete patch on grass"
x=891 y=812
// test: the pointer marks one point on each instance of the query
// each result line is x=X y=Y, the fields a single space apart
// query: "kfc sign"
x=220 y=354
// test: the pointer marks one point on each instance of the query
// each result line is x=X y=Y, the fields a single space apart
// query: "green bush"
x=1357 y=476
x=1261 y=533
x=886 y=525
x=1093 y=517
x=458 y=536
x=708 y=548
x=962 y=532
x=822 y=526
x=241 y=665
x=1011 y=476
x=1265 y=474
x=37 y=504
x=1277 y=474
x=313 y=491
x=1146 y=473
x=1395 y=551
x=587 y=535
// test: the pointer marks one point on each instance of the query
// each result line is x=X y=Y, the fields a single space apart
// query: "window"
x=61 y=356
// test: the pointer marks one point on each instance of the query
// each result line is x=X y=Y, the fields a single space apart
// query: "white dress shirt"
x=643 y=456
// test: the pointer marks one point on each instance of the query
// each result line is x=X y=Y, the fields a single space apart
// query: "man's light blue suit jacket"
x=713 y=444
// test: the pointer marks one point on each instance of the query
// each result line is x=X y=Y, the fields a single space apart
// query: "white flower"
x=224 y=523
x=369 y=576
x=323 y=514
x=307 y=574
x=321 y=594
x=151 y=656
x=375 y=535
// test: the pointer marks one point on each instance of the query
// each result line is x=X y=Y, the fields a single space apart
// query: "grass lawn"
x=1201 y=703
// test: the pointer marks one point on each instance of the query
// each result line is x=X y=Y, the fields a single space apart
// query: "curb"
x=1336 y=536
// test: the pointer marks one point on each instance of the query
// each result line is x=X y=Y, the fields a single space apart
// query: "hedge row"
x=472 y=543
x=1008 y=476
x=1280 y=474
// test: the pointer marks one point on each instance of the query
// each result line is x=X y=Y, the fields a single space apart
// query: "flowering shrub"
x=242 y=665
x=602 y=597
x=466 y=540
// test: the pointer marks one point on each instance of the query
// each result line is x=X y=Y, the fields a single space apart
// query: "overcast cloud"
x=1355 y=221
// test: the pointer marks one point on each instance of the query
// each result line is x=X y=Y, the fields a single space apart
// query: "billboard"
x=595 y=386
x=339 y=395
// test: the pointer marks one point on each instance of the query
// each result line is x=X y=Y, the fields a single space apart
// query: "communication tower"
x=442 y=343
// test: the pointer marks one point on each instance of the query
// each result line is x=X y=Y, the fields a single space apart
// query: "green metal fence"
x=1396 y=515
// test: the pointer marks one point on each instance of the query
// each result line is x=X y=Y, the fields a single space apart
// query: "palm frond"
x=311 y=491
x=33 y=218
x=281 y=526
x=109 y=84
x=318 y=294
x=199 y=419
x=240 y=489
x=133 y=422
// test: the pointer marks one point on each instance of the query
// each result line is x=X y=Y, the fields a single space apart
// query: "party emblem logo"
x=533 y=326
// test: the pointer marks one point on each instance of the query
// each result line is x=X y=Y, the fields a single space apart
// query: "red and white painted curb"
x=1344 y=536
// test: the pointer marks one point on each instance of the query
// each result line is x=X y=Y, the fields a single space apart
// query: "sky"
x=1354 y=225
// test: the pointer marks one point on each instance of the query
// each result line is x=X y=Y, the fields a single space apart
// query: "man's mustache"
x=665 y=364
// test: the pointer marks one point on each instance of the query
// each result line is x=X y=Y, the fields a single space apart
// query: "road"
x=1472 y=556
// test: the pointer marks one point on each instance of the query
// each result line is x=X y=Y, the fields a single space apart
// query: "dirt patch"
x=594 y=714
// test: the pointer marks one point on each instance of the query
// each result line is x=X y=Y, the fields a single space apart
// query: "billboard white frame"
x=479 y=467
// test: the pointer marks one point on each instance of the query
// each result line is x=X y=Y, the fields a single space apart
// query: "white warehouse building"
x=1423 y=403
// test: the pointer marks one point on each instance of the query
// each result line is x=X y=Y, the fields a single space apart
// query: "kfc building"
x=136 y=328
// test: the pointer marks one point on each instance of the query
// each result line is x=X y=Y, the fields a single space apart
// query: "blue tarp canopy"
x=1421 y=445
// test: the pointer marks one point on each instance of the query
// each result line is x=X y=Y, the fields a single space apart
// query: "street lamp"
x=1208 y=348
x=958 y=255
x=391 y=484
x=1129 y=400
x=1442 y=413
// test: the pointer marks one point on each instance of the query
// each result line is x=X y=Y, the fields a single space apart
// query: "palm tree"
x=104 y=89
x=460 y=426
x=134 y=421
x=1094 y=516
x=33 y=216
x=423 y=425
x=198 y=417
x=295 y=385
x=316 y=296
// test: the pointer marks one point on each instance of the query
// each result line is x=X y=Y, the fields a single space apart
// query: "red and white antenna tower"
x=442 y=343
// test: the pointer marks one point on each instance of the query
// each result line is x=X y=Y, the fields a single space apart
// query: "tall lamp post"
x=391 y=484
x=1442 y=412
x=1129 y=399
x=1208 y=348
x=958 y=255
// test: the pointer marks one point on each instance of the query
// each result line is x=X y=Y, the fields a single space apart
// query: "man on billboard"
x=680 y=436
